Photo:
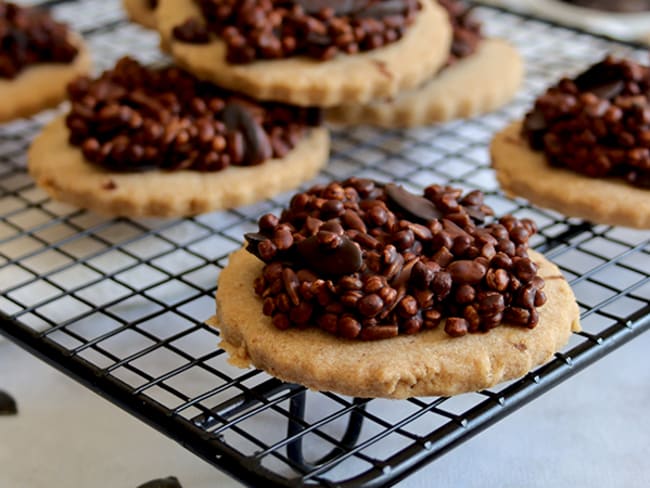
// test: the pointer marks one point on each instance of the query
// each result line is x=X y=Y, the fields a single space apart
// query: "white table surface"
x=591 y=431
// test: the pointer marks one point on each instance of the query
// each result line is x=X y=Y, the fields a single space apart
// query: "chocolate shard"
x=7 y=404
x=253 y=240
x=609 y=91
x=237 y=117
x=345 y=259
x=414 y=206
x=599 y=77
x=476 y=214
x=169 y=482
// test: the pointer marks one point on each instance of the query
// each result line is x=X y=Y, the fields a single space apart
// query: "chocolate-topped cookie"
x=39 y=57
x=452 y=92
x=160 y=142
x=351 y=270
x=308 y=53
x=584 y=148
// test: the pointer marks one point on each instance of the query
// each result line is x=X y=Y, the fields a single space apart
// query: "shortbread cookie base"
x=40 y=86
x=475 y=85
x=379 y=73
x=526 y=173
x=140 y=13
x=61 y=170
x=425 y=364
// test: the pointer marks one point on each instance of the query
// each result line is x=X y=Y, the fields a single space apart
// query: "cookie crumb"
x=109 y=185
x=382 y=68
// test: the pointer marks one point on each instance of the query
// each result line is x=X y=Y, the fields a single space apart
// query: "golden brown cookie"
x=61 y=170
x=424 y=364
x=41 y=86
x=478 y=84
x=358 y=78
x=526 y=173
x=140 y=12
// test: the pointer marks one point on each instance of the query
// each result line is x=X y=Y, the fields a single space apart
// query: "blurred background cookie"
x=159 y=142
x=39 y=57
x=584 y=149
x=308 y=53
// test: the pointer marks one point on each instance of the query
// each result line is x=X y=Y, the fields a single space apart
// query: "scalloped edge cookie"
x=41 y=86
x=139 y=12
x=473 y=86
x=61 y=170
x=425 y=364
x=379 y=73
x=526 y=173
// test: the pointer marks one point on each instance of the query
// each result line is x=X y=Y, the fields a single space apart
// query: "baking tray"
x=119 y=304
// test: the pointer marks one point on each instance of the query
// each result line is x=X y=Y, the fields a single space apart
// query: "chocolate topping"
x=135 y=118
x=262 y=29
x=466 y=31
x=354 y=259
x=7 y=404
x=597 y=124
x=30 y=36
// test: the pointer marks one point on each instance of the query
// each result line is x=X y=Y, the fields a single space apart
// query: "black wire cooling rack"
x=119 y=304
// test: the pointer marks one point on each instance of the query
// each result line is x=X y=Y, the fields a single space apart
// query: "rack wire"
x=119 y=304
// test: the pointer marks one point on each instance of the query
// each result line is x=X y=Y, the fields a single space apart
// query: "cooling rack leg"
x=296 y=426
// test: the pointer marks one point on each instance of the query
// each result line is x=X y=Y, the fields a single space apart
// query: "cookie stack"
x=428 y=75
x=352 y=272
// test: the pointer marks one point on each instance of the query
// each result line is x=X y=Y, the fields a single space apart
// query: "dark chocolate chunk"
x=170 y=482
x=253 y=239
x=414 y=206
x=7 y=404
x=258 y=147
x=608 y=90
x=342 y=260
x=598 y=75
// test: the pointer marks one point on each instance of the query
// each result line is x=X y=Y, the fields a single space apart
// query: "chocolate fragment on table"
x=260 y=29
x=134 y=118
x=8 y=405
x=597 y=124
x=30 y=36
x=170 y=482
x=369 y=261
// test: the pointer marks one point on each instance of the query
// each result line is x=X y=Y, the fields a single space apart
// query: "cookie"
x=358 y=78
x=140 y=141
x=584 y=147
x=62 y=171
x=40 y=86
x=474 y=85
x=40 y=56
x=356 y=272
x=526 y=173
x=427 y=364
x=141 y=12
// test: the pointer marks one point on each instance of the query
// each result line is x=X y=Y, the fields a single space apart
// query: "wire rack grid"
x=119 y=304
